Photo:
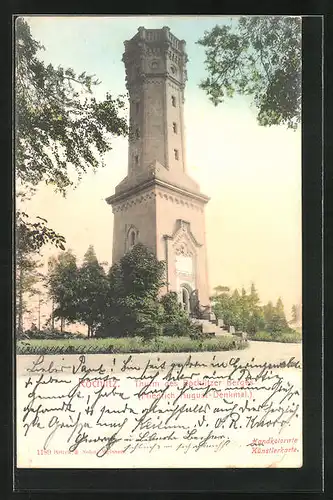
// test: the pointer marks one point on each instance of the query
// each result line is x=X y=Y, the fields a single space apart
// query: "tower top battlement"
x=154 y=53
x=162 y=35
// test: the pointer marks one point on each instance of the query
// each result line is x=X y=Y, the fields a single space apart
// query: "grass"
x=285 y=337
x=127 y=345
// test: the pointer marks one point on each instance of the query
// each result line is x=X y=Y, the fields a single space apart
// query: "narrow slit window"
x=173 y=100
x=132 y=238
x=137 y=133
x=137 y=107
x=176 y=154
x=136 y=160
x=174 y=126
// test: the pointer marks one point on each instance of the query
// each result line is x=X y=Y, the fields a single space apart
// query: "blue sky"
x=251 y=173
x=96 y=44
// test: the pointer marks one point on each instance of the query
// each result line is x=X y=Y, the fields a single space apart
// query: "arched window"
x=132 y=238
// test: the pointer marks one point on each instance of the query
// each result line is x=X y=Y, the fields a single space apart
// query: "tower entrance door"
x=185 y=293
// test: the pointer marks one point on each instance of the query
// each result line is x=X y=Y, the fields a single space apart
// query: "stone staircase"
x=214 y=327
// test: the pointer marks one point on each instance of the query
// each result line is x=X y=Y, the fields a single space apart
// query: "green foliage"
x=49 y=334
x=31 y=235
x=290 y=336
x=222 y=306
x=127 y=345
x=92 y=289
x=296 y=314
x=172 y=308
x=182 y=327
x=132 y=302
x=63 y=286
x=268 y=311
x=239 y=310
x=142 y=273
x=176 y=322
x=61 y=129
x=79 y=293
x=244 y=312
x=276 y=321
x=277 y=324
x=149 y=319
x=258 y=57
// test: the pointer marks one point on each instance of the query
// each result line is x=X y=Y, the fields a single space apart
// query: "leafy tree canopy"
x=259 y=57
x=142 y=273
x=296 y=313
x=61 y=128
x=134 y=285
x=92 y=292
x=244 y=312
x=63 y=285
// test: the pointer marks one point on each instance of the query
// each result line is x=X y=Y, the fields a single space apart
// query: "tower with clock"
x=158 y=203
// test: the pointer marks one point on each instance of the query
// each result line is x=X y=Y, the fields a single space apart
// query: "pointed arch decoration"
x=132 y=237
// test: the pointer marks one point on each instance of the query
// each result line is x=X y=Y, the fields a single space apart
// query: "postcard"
x=158 y=242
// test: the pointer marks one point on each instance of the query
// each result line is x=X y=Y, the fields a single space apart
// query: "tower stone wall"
x=158 y=203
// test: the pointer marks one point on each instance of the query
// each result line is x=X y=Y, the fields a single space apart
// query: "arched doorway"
x=185 y=293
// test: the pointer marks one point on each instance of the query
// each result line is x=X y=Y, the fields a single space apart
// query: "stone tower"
x=157 y=203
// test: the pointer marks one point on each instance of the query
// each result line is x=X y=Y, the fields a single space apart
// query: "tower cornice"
x=119 y=197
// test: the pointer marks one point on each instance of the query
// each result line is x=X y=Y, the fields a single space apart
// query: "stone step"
x=209 y=327
x=223 y=333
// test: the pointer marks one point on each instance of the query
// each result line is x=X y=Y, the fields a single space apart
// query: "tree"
x=245 y=310
x=175 y=320
x=236 y=310
x=63 y=286
x=41 y=301
x=253 y=298
x=268 y=310
x=295 y=313
x=142 y=272
x=276 y=321
x=259 y=57
x=280 y=310
x=276 y=325
x=61 y=129
x=256 y=322
x=221 y=304
x=92 y=291
x=33 y=235
x=133 y=307
x=256 y=316
x=27 y=277
x=26 y=269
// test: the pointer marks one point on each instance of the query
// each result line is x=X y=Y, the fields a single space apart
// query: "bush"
x=148 y=317
x=291 y=336
x=181 y=327
x=176 y=322
x=49 y=334
x=127 y=345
